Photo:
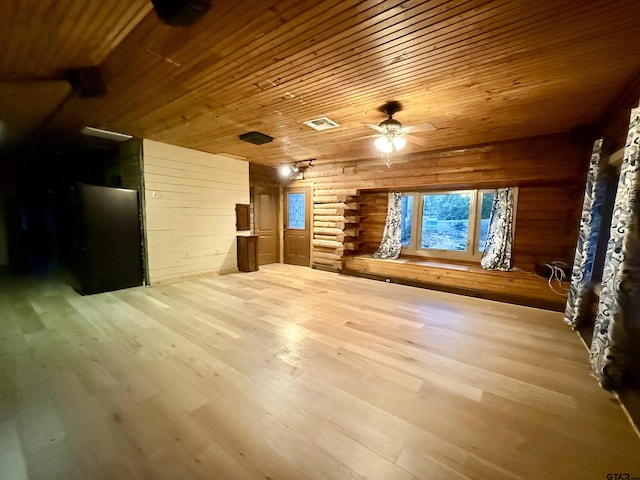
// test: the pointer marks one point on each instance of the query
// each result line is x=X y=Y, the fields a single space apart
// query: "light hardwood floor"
x=293 y=373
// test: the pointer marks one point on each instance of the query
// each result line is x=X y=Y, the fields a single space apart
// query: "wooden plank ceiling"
x=480 y=71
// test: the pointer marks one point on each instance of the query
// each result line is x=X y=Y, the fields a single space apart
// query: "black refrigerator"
x=107 y=245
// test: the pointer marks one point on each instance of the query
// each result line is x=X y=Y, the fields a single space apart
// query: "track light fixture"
x=295 y=171
x=285 y=171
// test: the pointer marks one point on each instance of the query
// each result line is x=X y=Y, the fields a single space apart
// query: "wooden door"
x=265 y=200
x=297 y=226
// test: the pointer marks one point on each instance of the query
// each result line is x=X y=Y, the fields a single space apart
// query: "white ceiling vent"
x=322 y=123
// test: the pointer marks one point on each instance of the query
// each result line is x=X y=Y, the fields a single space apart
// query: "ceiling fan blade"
x=425 y=127
x=375 y=127
x=417 y=140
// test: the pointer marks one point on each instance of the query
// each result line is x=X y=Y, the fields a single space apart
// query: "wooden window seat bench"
x=518 y=286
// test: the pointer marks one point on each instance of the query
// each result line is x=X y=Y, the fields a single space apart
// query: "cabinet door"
x=247 y=253
x=243 y=217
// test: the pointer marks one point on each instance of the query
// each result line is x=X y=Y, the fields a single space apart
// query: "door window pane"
x=406 y=220
x=485 y=215
x=296 y=210
x=445 y=221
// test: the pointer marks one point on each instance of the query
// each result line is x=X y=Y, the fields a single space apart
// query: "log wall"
x=336 y=219
x=190 y=200
x=549 y=171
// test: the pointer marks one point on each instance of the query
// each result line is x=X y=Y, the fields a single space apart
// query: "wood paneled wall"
x=263 y=175
x=549 y=171
x=547 y=220
x=373 y=209
x=190 y=199
x=546 y=223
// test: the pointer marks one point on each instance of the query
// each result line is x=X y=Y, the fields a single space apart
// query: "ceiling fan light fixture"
x=391 y=125
x=399 y=142
x=384 y=144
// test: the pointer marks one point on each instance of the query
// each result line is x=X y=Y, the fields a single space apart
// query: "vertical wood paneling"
x=480 y=71
x=263 y=175
x=190 y=200
x=45 y=38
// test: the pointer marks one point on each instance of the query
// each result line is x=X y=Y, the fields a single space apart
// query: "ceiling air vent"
x=256 y=138
x=322 y=123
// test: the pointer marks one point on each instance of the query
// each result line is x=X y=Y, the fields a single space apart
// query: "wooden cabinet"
x=243 y=217
x=247 y=253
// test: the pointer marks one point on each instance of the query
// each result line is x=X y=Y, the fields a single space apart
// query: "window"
x=486 y=202
x=445 y=221
x=296 y=209
x=451 y=224
x=406 y=212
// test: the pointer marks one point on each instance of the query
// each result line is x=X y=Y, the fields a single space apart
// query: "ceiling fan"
x=392 y=136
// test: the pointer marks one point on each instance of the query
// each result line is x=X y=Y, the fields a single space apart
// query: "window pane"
x=406 y=220
x=485 y=215
x=445 y=221
x=295 y=207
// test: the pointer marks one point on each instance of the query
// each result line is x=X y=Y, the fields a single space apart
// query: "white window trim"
x=472 y=253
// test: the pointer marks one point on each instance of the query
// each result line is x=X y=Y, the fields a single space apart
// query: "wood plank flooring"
x=293 y=373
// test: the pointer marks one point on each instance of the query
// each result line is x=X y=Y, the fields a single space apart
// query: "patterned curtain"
x=577 y=309
x=618 y=319
x=390 y=245
x=497 y=249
